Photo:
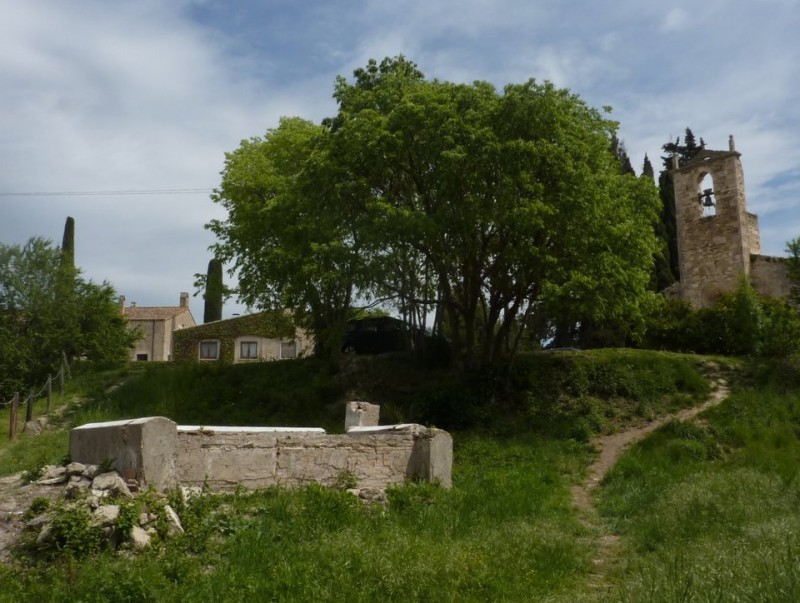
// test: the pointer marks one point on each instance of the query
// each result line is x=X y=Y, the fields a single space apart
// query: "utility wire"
x=165 y=191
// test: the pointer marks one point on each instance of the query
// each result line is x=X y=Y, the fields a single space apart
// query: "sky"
x=133 y=104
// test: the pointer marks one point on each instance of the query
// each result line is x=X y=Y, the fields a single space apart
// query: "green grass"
x=502 y=533
x=84 y=397
x=297 y=393
x=709 y=511
x=705 y=511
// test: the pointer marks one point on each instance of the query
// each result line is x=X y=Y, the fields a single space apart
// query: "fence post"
x=49 y=392
x=12 y=428
x=61 y=380
x=29 y=409
x=66 y=364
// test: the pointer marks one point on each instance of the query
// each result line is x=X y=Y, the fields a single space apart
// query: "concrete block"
x=156 y=451
x=140 y=449
x=432 y=459
x=361 y=414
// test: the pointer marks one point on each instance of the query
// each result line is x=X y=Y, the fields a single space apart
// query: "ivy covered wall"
x=269 y=324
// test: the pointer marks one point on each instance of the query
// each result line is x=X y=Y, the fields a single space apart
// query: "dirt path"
x=610 y=448
x=15 y=498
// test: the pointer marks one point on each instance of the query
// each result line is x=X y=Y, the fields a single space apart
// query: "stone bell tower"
x=716 y=234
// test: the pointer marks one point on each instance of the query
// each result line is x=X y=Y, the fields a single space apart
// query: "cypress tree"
x=65 y=326
x=214 y=290
x=647 y=168
x=68 y=242
x=618 y=149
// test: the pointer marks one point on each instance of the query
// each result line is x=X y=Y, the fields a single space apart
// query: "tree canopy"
x=500 y=210
x=47 y=311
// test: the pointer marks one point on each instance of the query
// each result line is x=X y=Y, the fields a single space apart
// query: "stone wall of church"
x=769 y=276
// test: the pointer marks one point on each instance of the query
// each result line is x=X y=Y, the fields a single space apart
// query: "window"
x=209 y=350
x=141 y=357
x=248 y=350
x=288 y=349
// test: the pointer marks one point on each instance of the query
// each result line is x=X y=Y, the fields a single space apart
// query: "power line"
x=164 y=191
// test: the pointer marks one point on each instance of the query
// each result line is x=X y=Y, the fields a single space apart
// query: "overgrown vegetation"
x=705 y=510
x=709 y=510
x=275 y=324
x=740 y=323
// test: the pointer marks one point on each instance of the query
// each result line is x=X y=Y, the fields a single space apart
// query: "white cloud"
x=100 y=95
x=675 y=20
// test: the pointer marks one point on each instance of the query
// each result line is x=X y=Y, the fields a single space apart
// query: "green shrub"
x=668 y=326
x=739 y=324
x=72 y=533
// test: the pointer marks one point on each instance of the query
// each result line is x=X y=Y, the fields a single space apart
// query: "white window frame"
x=206 y=342
x=248 y=342
x=288 y=341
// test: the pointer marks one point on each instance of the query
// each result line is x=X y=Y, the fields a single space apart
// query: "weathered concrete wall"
x=146 y=344
x=140 y=449
x=223 y=460
x=753 y=234
x=769 y=276
x=155 y=450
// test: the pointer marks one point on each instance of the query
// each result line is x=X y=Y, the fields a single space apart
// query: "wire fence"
x=45 y=393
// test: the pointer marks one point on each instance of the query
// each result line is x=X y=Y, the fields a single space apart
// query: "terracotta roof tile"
x=153 y=313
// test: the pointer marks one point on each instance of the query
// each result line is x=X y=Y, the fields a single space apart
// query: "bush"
x=781 y=329
x=739 y=324
x=72 y=533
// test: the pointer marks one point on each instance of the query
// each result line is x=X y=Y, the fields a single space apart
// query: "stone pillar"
x=432 y=458
x=361 y=414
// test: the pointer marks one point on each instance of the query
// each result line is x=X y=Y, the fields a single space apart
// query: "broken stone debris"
x=87 y=487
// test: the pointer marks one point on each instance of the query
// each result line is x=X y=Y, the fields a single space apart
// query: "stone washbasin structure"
x=157 y=452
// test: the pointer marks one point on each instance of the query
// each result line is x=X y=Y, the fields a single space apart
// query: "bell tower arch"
x=716 y=234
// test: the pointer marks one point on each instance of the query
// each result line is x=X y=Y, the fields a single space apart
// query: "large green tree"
x=497 y=206
x=47 y=311
x=292 y=235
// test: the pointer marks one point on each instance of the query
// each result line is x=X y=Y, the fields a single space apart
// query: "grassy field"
x=705 y=511
x=709 y=511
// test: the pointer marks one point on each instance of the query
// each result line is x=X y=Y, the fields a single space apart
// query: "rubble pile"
x=99 y=509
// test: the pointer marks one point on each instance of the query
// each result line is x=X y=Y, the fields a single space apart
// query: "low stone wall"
x=156 y=451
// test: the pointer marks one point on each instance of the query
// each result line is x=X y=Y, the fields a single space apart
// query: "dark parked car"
x=375 y=335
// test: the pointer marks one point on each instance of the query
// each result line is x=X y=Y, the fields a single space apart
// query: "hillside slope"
x=682 y=505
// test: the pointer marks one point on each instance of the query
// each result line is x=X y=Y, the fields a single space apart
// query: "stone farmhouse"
x=718 y=239
x=156 y=326
x=257 y=337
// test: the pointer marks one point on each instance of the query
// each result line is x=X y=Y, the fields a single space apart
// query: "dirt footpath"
x=15 y=498
x=611 y=447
